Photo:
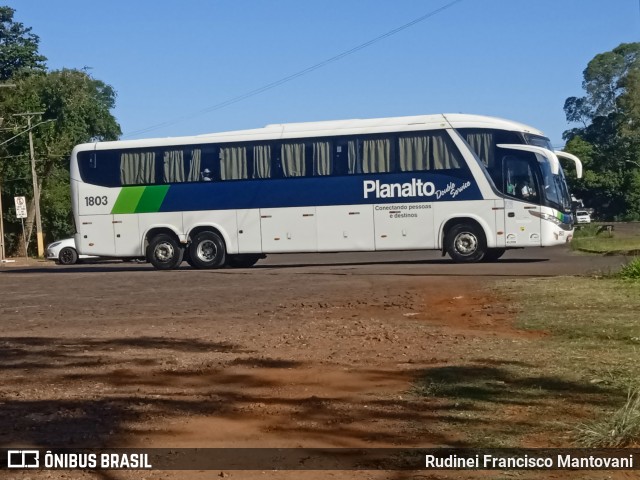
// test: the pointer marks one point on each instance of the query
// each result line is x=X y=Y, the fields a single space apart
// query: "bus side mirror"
x=575 y=159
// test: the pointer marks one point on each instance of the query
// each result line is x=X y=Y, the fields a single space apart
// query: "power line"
x=293 y=76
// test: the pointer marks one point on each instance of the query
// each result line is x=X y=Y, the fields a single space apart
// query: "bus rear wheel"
x=242 y=261
x=207 y=250
x=465 y=243
x=164 y=252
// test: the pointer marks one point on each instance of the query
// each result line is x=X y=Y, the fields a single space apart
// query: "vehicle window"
x=138 y=167
x=233 y=163
x=182 y=165
x=433 y=151
x=261 y=161
x=100 y=168
x=483 y=142
x=376 y=155
x=293 y=160
x=519 y=178
x=538 y=141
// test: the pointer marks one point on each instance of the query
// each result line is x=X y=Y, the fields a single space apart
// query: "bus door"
x=521 y=186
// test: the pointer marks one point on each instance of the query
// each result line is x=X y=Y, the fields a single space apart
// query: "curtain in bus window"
x=137 y=168
x=414 y=154
x=443 y=157
x=233 y=163
x=195 y=166
x=354 y=166
x=262 y=161
x=173 y=166
x=322 y=161
x=482 y=145
x=376 y=155
x=293 y=162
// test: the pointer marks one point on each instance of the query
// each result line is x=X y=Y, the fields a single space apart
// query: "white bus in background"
x=470 y=186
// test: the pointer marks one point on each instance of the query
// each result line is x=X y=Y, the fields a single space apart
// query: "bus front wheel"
x=207 y=250
x=164 y=252
x=465 y=243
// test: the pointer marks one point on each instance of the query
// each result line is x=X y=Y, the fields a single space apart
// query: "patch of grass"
x=594 y=330
x=579 y=363
x=590 y=230
x=578 y=307
x=618 y=430
x=604 y=245
x=589 y=238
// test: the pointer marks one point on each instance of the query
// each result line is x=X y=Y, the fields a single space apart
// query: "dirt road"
x=303 y=350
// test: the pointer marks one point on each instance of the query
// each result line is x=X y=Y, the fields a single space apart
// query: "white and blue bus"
x=470 y=186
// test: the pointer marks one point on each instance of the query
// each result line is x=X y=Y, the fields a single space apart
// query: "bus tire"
x=465 y=243
x=164 y=252
x=207 y=250
x=493 y=254
x=242 y=261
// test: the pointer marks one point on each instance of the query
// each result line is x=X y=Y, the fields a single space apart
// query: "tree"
x=18 y=47
x=609 y=136
x=80 y=109
x=79 y=106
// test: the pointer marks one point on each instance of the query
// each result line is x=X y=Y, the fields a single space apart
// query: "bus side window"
x=376 y=154
x=321 y=157
x=340 y=157
x=208 y=156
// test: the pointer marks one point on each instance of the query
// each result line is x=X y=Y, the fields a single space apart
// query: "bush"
x=630 y=271
x=617 y=430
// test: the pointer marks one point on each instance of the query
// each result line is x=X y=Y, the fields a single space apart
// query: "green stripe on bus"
x=152 y=198
x=128 y=199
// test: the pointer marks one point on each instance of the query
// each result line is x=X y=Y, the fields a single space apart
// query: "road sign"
x=21 y=207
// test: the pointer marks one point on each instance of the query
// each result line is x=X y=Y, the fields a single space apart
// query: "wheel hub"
x=466 y=243
x=207 y=251
x=164 y=252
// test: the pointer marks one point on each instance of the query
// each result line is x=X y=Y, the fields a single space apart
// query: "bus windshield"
x=555 y=188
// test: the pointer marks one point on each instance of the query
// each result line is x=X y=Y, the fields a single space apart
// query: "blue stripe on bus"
x=320 y=191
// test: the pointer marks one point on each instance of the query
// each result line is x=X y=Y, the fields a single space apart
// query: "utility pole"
x=34 y=177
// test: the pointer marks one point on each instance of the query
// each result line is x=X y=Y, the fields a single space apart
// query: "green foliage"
x=586 y=231
x=631 y=271
x=79 y=108
x=18 y=47
x=608 y=141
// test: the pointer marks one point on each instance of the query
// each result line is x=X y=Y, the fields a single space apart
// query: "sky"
x=173 y=64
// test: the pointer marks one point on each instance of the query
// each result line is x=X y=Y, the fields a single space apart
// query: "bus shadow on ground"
x=111 y=268
x=443 y=261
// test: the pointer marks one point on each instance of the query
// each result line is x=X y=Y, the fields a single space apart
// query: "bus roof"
x=326 y=129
